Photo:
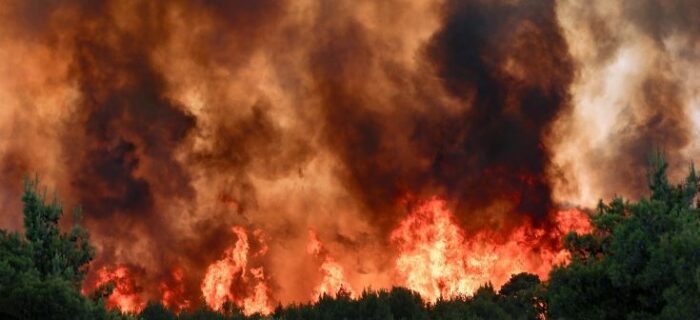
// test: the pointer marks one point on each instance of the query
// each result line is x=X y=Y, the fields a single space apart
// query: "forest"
x=640 y=261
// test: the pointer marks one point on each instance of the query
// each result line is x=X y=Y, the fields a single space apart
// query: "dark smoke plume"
x=170 y=122
x=508 y=65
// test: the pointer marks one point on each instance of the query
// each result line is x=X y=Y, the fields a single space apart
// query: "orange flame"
x=436 y=259
x=125 y=295
x=333 y=275
x=172 y=292
x=218 y=282
x=259 y=302
x=573 y=220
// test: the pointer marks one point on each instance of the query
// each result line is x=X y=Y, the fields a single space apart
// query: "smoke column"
x=173 y=122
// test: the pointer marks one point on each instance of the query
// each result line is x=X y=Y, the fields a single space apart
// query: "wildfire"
x=258 y=302
x=287 y=114
x=572 y=220
x=173 y=291
x=437 y=259
x=125 y=295
x=225 y=274
x=333 y=275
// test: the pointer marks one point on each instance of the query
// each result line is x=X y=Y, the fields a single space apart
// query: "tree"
x=406 y=304
x=522 y=297
x=53 y=252
x=485 y=304
x=641 y=260
x=42 y=270
x=157 y=311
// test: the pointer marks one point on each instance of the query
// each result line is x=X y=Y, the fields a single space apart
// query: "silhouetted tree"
x=157 y=311
x=523 y=297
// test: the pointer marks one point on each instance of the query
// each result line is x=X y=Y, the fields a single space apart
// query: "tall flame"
x=125 y=295
x=221 y=276
x=258 y=302
x=437 y=259
x=333 y=275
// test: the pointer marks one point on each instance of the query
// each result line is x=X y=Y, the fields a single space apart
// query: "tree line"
x=640 y=261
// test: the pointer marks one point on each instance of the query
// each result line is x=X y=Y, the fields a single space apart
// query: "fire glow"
x=434 y=258
x=125 y=294
x=333 y=274
x=173 y=291
x=223 y=276
x=204 y=139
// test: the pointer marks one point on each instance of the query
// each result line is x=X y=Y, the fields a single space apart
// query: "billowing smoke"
x=506 y=71
x=635 y=93
x=172 y=122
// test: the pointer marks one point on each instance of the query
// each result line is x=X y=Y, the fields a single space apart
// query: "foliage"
x=54 y=253
x=42 y=270
x=641 y=261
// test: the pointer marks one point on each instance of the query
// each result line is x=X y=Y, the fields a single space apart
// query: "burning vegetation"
x=253 y=154
x=437 y=260
x=228 y=279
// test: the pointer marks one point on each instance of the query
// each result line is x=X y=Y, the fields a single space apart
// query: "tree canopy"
x=642 y=260
x=41 y=271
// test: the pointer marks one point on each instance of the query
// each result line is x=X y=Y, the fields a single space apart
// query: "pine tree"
x=41 y=271
x=640 y=262
x=54 y=253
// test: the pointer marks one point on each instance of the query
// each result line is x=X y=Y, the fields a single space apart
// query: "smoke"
x=635 y=93
x=172 y=122
x=482 y=146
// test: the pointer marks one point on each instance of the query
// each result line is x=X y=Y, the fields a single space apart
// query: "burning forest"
x=253 y=155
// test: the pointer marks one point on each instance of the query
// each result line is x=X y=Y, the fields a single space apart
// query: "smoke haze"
x=170 y=122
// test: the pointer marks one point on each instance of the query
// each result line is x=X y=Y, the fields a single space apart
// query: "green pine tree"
x=640 y=262
x=42 y=270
